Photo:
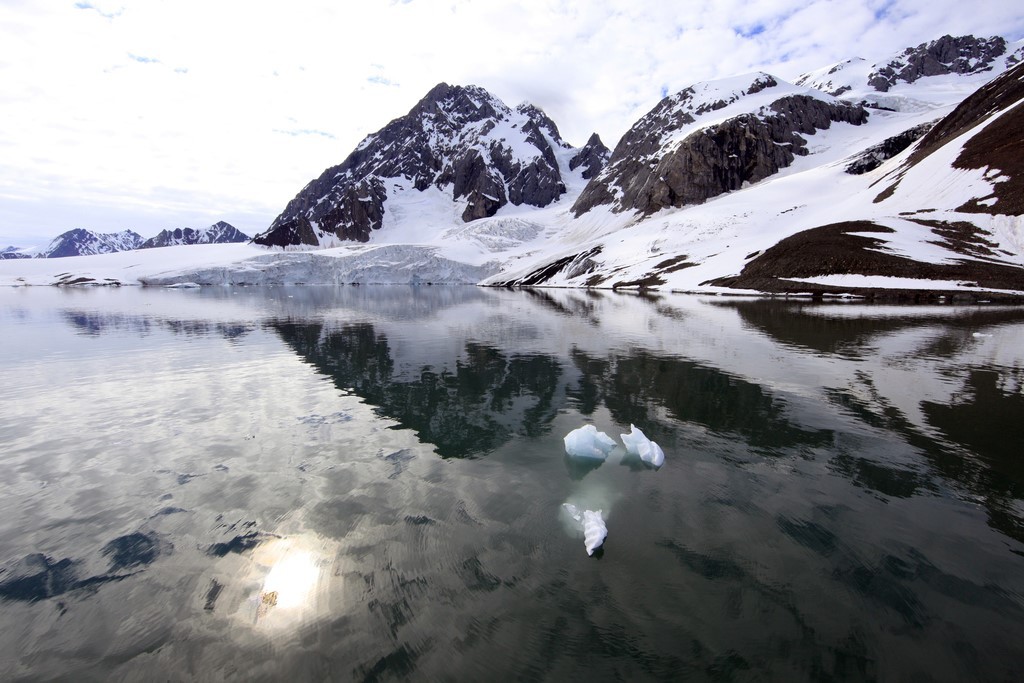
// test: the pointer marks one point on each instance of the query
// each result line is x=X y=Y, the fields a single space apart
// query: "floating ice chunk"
x=587 y=442
x=981 y=335
x=637 y=443
x=594 y=530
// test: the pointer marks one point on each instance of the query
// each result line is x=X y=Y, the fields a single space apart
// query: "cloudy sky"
x=154 y=114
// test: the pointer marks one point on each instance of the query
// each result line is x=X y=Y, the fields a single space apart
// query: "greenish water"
x=366 y=483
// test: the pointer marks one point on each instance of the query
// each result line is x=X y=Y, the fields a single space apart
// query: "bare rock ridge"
x=592 y=157
x=652 y=168
x=461 y=140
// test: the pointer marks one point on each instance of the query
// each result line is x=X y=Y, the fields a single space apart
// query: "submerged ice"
x=594 y=528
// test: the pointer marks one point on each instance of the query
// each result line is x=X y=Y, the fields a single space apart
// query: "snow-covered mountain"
x=82 y=242
x=218 y=233
x=908 y=80
x=13 y=253
x=917 y=199
x=899 y=176
x=459 y=155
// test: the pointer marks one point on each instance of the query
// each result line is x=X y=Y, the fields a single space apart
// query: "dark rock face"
x=218 y=233
x=876 y=155
x=592 y=157
x=457 y=139
x=960 y=55
x=80 y=242
x=649 y=171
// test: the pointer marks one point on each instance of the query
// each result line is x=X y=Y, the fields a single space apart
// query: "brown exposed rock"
x=833 y=250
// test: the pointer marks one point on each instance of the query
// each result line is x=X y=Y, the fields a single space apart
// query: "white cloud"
x=159 y=115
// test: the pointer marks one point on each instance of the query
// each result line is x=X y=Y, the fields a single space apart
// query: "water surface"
x=367 y=483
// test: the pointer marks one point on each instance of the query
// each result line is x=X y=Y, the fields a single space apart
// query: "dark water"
x=367 y=484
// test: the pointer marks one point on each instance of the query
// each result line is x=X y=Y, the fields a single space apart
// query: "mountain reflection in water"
x=365 y=483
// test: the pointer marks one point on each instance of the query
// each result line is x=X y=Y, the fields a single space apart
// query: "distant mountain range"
x=81 y=242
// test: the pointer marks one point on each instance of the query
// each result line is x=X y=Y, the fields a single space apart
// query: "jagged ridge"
x=218 y=233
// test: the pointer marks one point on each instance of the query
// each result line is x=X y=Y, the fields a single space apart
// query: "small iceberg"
x=587 y=442
x=594 y=529
x=981 y=335
x=638 y=444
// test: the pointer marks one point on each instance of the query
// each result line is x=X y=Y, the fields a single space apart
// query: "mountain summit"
x=460 y=142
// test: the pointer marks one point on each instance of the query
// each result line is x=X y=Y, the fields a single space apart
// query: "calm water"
x=366 y=483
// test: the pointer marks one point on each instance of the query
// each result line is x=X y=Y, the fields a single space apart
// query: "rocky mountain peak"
x=460 y=140
x=591 y=157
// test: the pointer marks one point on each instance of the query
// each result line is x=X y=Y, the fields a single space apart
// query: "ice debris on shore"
x=587 y=442
x=637 y=443
x=594 y=529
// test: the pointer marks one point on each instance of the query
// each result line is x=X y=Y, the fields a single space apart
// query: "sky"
x=162 y=114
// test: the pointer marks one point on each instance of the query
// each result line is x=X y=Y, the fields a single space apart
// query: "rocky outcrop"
x=81 y=242
x=460 y=140
x=652 y=169
x=959 y=55
x=218 y=233
x=592 y=157
x=876 y=155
